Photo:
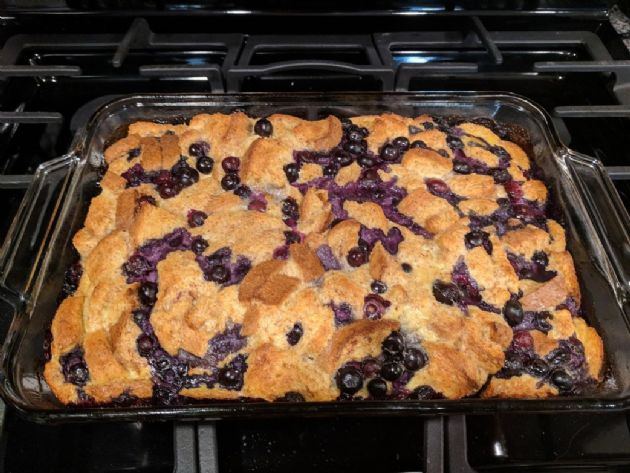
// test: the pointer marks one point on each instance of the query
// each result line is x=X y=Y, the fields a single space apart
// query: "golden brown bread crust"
x=295 y=289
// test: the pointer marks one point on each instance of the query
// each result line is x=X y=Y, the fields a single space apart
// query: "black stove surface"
x=57 y=65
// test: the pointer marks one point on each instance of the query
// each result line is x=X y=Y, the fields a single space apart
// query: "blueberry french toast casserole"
x=280 y=259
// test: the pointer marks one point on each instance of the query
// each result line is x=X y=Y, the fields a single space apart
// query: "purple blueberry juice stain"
x=572 y=306
x=472 y=165
x=469 y=289
x=142 y=265
x=374 y=306
x=390 y=241
x=71 y=280
x=525 y=210
x=281 y=252
x=257 y=202
x=369 y=187
x=343 y=313
x=327 y=258
x=439 y=188
x=228 y=342
x=170 y=373
x=535 y=321
x=530 y=269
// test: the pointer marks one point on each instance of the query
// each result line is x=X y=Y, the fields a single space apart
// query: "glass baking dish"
x=38 y=249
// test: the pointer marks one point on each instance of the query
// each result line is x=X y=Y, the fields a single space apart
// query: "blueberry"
x=513 y=312
x=393 y=343
x=161 y=177
x=377 y=388
x=133 y=153
x=219 y=274
x=199 y=149
x=349 y=380
x=538 y=367
x=147 y=292
x=378 y=287
x=356 y=257
x=356 y=148
x=540 y=258
x=355 y=135
x=401 y=143
x=144 y=344
x=364 y=131
x=446 y=293
x=331 y=170
x=561 y=380
x=230 y=182
x=290 y=208
x=196 y=218
x=139 y=316
x=292 y=171
x=414 y=359
x=168 y=190
x=475 y=238
x=185 y=175
x=406 y=267
x=501 y=176
x=425 y=392
x=231 y=164
x=461 y=167
x=199 y=245
x=136 y=266
x=371 y=175
x=437 y=186
x=242 y=191
x=291 y=396
x=342 y=159
x=389 y=153
x=365 y=161
x=418 y=144
x=292 y=237
x=454 y=142
x=364 y=245
x=295 y=334
x=205 y=165
x=263 y=127
x=558 y=357
x=370 y=367
x=78 y=374
x=346 y=123
x=391 y=371
x=229 y=376
x=428 y=125
x=146 y=199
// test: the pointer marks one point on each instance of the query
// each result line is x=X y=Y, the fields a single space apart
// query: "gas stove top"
x=61 y=60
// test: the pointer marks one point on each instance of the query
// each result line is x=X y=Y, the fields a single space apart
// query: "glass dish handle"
x=32 y=227
x=608 y=213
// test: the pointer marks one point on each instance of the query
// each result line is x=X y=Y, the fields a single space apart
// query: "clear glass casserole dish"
x=38 y=249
